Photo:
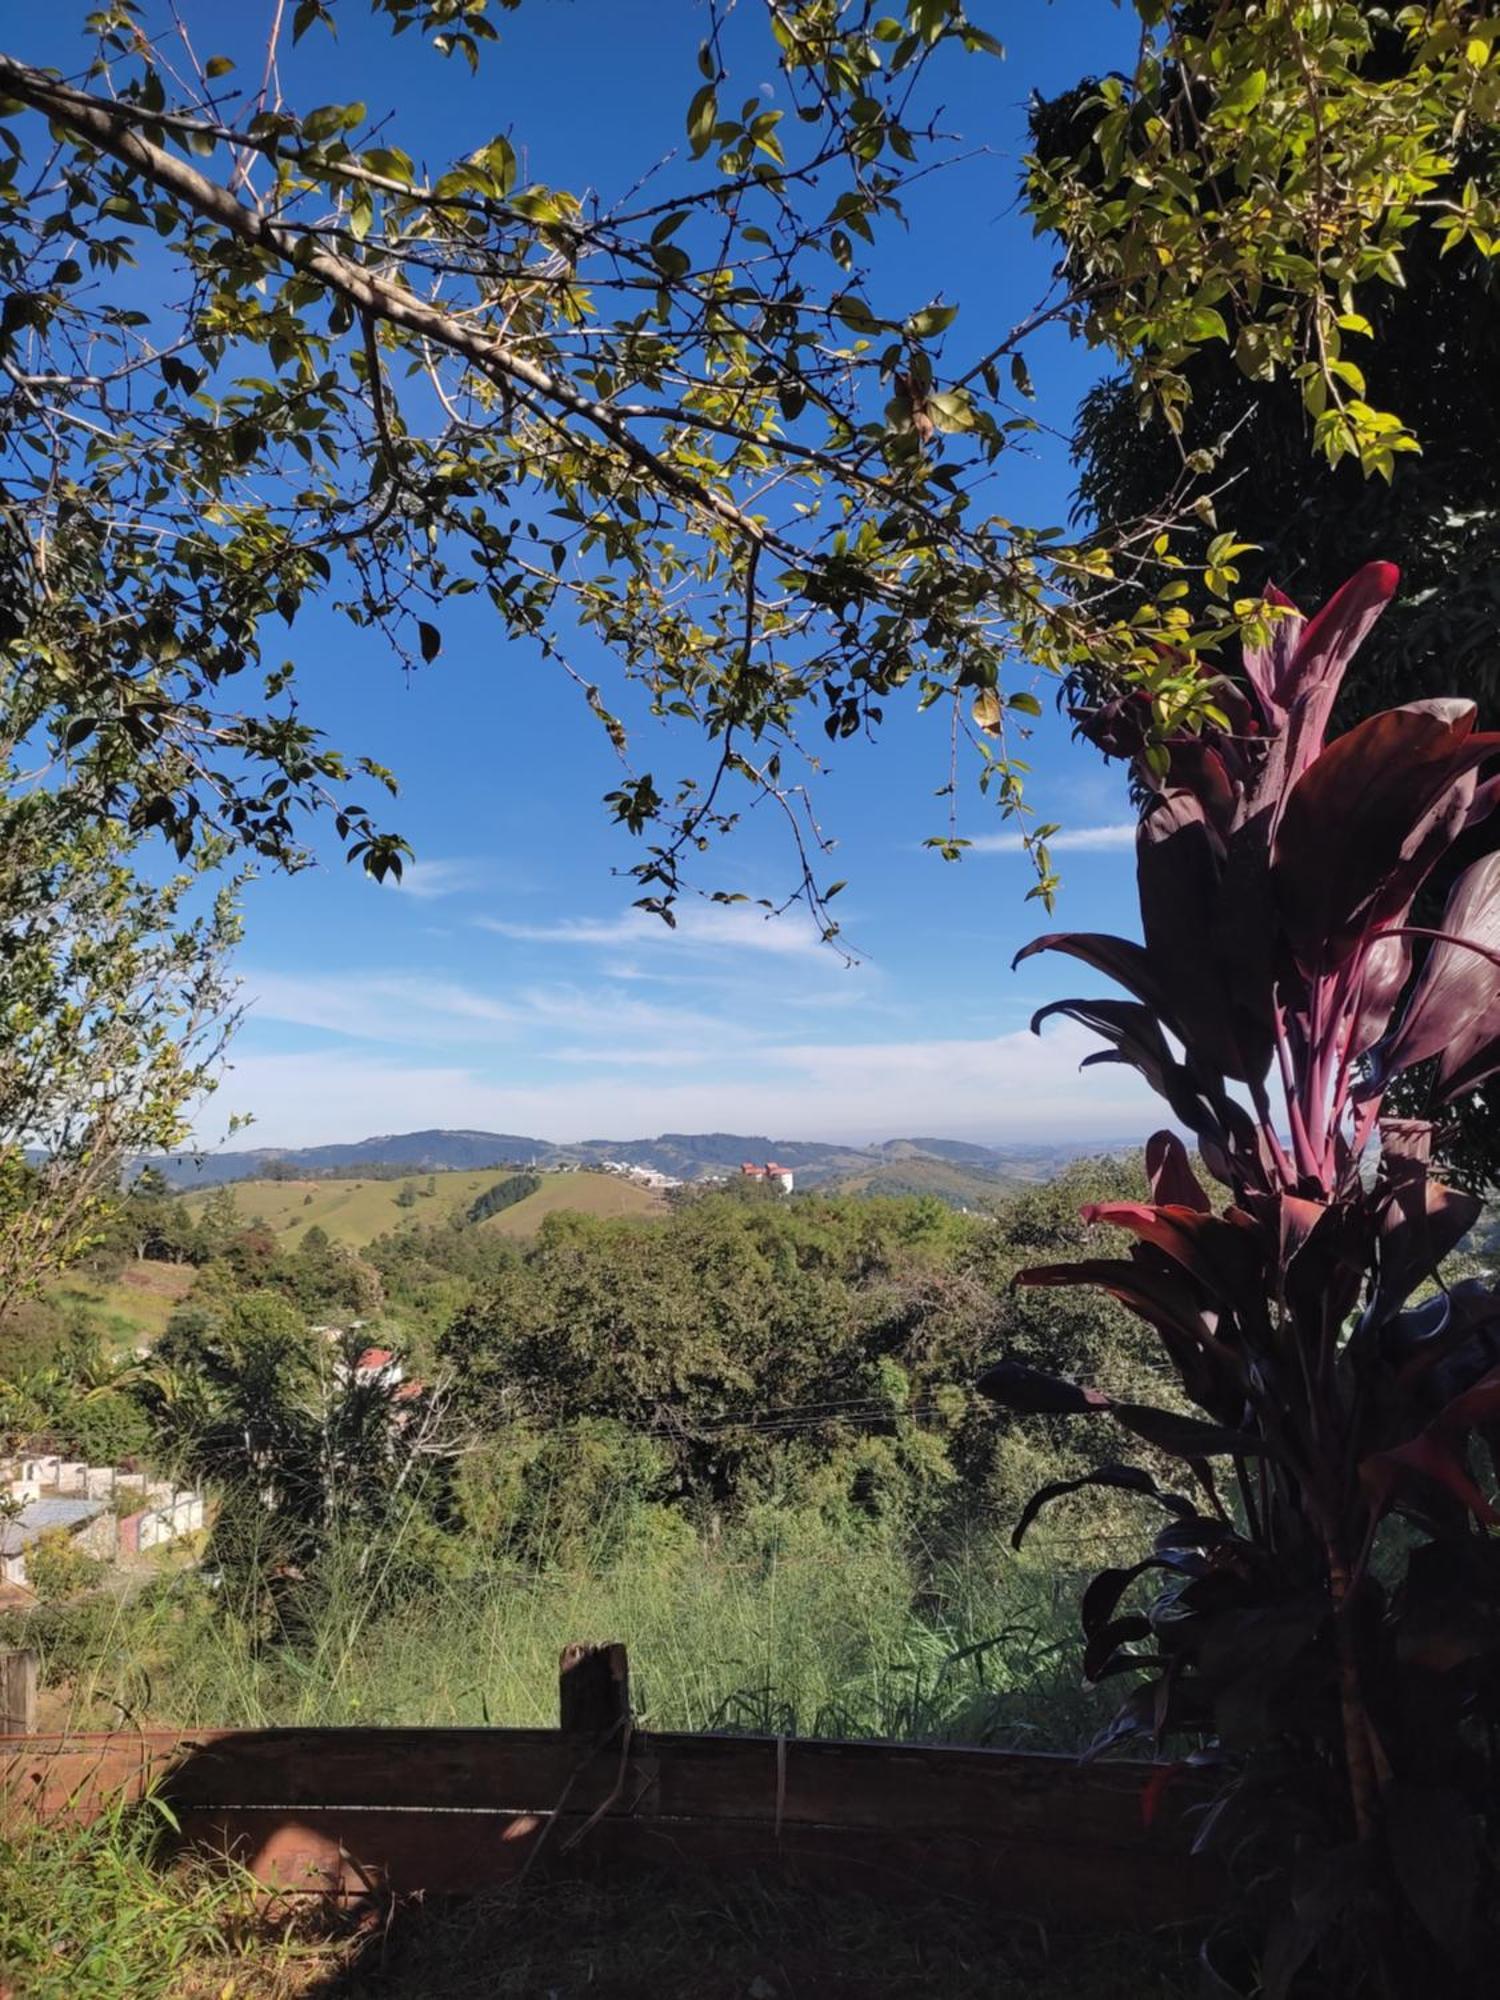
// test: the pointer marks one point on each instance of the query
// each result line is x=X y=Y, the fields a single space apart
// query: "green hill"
x=958 y=1185
x=356 y=1211
x=580 y=1194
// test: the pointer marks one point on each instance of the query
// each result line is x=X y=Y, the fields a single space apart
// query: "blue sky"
x=508 y=984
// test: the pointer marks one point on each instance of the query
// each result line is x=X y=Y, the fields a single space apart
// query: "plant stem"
x=1359 y=1761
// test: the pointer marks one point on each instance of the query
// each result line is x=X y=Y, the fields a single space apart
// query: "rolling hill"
x=688 y=1156
x=355 y=1211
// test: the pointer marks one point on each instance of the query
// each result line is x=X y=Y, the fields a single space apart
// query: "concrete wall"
x=100 y=1537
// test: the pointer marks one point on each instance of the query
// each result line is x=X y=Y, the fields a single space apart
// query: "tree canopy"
x=673 y=421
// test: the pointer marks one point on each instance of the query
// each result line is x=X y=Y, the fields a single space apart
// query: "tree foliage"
x=681 y=421
x=114 y=1004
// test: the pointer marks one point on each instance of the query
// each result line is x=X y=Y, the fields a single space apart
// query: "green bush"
x=57 y=1568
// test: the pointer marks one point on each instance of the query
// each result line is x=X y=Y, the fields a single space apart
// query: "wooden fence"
x=356 y=1812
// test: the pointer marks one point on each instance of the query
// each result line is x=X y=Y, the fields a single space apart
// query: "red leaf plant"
x=1321 y=1613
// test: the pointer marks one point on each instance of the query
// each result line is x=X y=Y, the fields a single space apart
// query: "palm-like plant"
x=1323 y=1623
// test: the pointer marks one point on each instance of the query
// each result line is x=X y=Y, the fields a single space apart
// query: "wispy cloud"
x=1068 y=839
x=377 y=1006
x=427 y=880
x=407 y=1009
x=700 y=927
x=1010 y=1086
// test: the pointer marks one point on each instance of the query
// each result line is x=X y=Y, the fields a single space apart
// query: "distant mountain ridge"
x=898 y=1165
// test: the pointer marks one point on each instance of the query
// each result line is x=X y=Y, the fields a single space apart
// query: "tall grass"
x=787 y=1625
x=90 y=1913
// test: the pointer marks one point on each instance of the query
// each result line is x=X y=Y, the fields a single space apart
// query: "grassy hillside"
x=582 y=1194
x=135 y=1306
x=355 y=1211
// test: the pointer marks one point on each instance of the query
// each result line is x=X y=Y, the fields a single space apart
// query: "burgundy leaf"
x=1386 y=969
x=1188 y=1437
x=1179 y=863
x=1454 y=1009
x=1308 y=683
x=1421 y=1223
x=1117 y=958
x=1171 y=1175
x=1125 y=1478
x=1475 y=1405
x=1156 y=1787
x=1102 y=1655
x=1225 y=1256
x=1158 y=1296
x=1366 y=821
x=1219 y=1124
x=1442 y=1460
x=1168 y=1301
x=1440 y=1452
x=1266 y=667
x=1018 y=1387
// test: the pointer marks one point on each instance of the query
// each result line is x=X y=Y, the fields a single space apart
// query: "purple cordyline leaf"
x=1171 y=1174
x=1266 y=667
x=1439 y=1452
x=1036 y=1394
x=1446 y=1344
x=1117 y=958
x=1131 y=1029
x=1383 y=976
x=1222 y=1016
x=1366 y=821
x=1321 y=1258
x=1422 y=1222
x=1454 y=1009
x=1202 y=1002
x=1224 y=1254
x=1224 y=1130
x=1170 y=1302
x=1125 y=1478
x=1188 y=1437
x=1299 y=685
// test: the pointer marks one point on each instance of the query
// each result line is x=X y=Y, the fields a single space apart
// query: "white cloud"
x=415 y=1010
x=427 y=880
x=700 y=927
x=377 y=1006
x=1011 y=1086
x=1068 y=839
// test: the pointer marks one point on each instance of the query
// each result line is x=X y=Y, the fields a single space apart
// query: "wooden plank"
x=685 y=1776
x=751 y=1779
x=593 y=1689
x=18 y=1692
x=353 y=1812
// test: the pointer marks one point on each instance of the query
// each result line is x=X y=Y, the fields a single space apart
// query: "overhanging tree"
x=679 y=422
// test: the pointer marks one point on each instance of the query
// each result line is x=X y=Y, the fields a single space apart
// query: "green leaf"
x=703 y=115
x=930 y=320
x=430 y=639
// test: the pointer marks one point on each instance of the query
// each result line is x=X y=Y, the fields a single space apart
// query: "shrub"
x=1320 y=1619
x=57 y=1568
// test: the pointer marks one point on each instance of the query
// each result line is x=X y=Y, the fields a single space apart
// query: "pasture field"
x=355 y=1211
x=135 y=1306
x=577 y=1194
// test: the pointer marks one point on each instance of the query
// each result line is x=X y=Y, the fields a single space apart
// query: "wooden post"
x=593 y=1685
x=18 y=1693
